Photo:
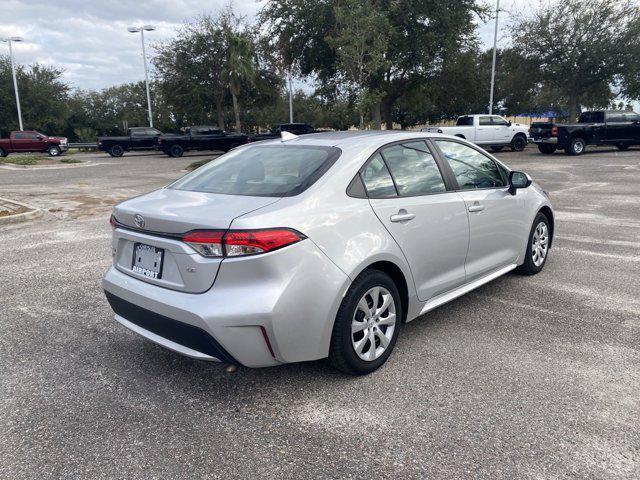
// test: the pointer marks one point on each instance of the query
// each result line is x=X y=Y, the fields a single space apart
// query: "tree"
x=580 y=48
x=43 y=97
x=241 y=66
x=422 y=34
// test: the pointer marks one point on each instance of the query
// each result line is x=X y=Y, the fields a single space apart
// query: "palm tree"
x=241 y=66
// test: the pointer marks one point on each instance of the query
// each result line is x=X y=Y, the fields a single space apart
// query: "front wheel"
x=3 y=153
x=546 y=148
x=116 y=151
x=537 y=247
x=176 y=151
x=576 y=146
x=623 y=146
x=366 y=326
x=519 y=143
x=54 y=151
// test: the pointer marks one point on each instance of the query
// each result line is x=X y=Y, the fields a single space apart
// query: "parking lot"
x=526 y=377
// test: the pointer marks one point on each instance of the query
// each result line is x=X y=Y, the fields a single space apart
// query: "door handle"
x=402 y=216
x=476 y=208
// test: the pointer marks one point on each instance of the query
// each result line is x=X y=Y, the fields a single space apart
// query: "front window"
x=472 y=169
x=266 y=171
x=499 y=121
x=484 y=121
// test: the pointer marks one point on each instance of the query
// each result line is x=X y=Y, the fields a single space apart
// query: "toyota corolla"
x=304 y=248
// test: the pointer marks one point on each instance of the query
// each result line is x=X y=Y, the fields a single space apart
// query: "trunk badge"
x=138 y=220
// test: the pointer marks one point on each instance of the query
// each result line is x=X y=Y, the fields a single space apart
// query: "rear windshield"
x=591 y=117
x=265 y=171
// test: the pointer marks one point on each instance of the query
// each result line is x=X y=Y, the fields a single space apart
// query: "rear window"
x=265 y=171
x=464 y=122
x=591 y=117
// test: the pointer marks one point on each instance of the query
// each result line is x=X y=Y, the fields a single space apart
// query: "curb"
x=8 y=166
x=20 y=217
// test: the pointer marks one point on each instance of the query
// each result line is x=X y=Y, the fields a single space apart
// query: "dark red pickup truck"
x=32 y=141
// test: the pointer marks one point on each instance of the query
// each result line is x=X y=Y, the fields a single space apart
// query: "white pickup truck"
x=490 y=130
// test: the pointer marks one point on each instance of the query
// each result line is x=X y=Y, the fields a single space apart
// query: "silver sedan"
x=317 y=246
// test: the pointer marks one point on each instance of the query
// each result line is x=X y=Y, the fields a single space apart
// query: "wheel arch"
x=459 y=135
x=549 y=214
x=397 y=275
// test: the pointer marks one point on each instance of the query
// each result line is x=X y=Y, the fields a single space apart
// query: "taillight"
x=554 y=131
x=207 y=243
x=236 y=243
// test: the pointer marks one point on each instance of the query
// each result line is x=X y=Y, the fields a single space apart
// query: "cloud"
x=88 y=39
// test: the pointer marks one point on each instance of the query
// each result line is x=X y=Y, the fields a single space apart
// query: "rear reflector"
x=236 y=243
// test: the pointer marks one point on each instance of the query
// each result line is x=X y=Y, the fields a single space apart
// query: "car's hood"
x=177 y=211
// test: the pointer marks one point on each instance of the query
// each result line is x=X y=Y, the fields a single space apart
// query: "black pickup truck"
x=201 y=138
x=295 y=128
x=137 y=138
x=601 y=127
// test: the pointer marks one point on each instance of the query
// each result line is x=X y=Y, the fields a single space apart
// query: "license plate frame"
x=143 y=257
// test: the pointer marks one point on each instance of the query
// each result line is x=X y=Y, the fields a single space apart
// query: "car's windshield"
x=265 y=170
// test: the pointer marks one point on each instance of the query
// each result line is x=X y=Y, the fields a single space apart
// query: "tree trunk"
x=236 y=110
x=387 y=105
x=220 y=112
x=573 y=108
x=361 y=121
x=375 y=113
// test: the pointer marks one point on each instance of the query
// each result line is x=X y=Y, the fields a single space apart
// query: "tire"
x=54 y=151
x=496 y=148
x=518 y=143
x=3 y=153
x=623 y=146
x=576 y=147
x=116 y=151
x=342 y=352
x=233 y=146
x=547 y=149
x=175 y=151
x=532 y=265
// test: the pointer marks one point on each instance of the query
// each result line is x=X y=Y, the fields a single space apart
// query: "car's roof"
x=345 y=138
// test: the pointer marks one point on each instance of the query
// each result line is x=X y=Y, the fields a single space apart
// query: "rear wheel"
x=537 y=247
x=54 y=151
x=546 y=148
x=519 y=143
x=3 y=153
x=496 y=148
x=176 y=151
x=116 y=151
x=576 y=146
x=366 y=326
x=623 y=146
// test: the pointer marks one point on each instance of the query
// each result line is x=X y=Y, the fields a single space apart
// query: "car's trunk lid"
x=157 y=220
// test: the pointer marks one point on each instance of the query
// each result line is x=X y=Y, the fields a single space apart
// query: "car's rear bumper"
x=549 y=140
x=261 y=311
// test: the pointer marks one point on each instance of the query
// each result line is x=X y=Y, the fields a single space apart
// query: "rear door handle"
x=476 y=208
x=402 y=216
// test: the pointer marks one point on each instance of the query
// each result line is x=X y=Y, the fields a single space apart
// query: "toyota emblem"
x=139 y=220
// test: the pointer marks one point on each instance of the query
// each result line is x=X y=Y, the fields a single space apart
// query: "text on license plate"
x=147 y=260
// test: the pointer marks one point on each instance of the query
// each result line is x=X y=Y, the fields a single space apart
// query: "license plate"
x=147 y=260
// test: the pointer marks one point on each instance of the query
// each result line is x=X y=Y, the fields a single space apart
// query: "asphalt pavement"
x=526 y=377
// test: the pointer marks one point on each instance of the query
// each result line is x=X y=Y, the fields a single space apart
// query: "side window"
x=377 y=179
x=617 y=117
x=484 y=121
x=471 y=168
x=19 y=136
x=465 y=122
x=31 y=136
x=632 y=117
x=414 y=169
x=499 y=121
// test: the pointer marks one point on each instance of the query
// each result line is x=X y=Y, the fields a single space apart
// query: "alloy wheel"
x=540 y=244
x=373 y=323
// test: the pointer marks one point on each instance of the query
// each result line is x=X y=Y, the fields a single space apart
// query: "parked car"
x=320 y=246
x=32 y=141
x=295 y=128
x=600 y=127
x=488 y=130
x=136 y=139
x=201 y=138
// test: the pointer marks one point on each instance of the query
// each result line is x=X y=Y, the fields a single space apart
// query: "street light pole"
x=13 y=72
x=493 y=64
x=144 y=59
x=290 y=97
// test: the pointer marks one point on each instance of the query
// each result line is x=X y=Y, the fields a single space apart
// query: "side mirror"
x=518 y=180
x=510 y=123
x=40 y=137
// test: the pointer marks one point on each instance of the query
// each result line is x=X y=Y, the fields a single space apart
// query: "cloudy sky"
x=88 y=39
